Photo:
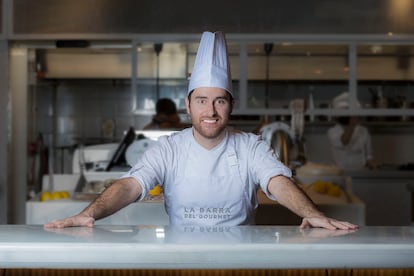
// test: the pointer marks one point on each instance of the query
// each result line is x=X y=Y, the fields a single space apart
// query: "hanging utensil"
x=297 y=107
x=158 y=49
x=82 y=182
x=268 y=47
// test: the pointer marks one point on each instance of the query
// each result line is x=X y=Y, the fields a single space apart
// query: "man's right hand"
x=78 y=220
x=118 y=195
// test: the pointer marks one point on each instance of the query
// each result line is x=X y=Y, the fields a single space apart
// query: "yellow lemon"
x=334 y=191
x=64 y=194
x=56 y=195
x=319 y=187
x=329 y=185
x=45 y=196
x=156 y=191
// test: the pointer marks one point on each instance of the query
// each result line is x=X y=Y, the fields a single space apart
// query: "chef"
x=350 y=141
x=209 y=172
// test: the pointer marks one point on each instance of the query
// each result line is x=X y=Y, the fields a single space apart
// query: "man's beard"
x=210 y=133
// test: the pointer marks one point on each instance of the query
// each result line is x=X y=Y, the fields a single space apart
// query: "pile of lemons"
x=45 y=196
x=327 y=188
x=155 y=191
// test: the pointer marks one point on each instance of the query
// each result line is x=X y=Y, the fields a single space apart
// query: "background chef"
x=209 y=173
x=166 y=116
x=350 y=141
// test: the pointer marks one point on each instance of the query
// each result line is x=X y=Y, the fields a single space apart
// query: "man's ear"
x=187 y=105
x=232 y=105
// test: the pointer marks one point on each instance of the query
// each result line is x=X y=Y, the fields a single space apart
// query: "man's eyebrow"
x=222 y=98
x=215 y=99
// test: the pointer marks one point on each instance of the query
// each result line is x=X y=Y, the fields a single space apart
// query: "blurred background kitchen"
x=77 y=75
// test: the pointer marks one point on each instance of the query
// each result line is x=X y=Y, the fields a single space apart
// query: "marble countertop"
x=162 y=247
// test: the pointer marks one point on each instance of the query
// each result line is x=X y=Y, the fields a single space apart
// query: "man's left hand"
x=327 y=223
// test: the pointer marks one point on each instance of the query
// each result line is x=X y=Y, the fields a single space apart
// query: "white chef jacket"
x=209 y=187
x=356 y=153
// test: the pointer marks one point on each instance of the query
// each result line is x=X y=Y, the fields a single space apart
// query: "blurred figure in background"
x=166 y=116
x=350 y=141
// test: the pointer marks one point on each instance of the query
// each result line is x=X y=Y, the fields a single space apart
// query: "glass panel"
x=278 y=73
x=161 y=73
x=102 y=62
x=170 y=61
x=385 y=75
x=75 y=91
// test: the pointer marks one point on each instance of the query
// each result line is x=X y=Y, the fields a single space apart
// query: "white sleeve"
x=265 y=165
x=149 y=169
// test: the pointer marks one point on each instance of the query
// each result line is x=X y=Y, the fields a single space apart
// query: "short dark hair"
x=343 y=120
x=165 y=106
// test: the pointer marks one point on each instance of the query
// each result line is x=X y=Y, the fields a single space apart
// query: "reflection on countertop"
x=164 y=247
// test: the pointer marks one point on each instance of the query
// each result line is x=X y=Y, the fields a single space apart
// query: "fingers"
x=304 y=224
x=343 y=225
x=59 y=223
x=71 y=222
x=327 y=223
x=317 y=222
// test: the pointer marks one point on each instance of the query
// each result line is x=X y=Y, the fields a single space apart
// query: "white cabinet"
x=387 y=196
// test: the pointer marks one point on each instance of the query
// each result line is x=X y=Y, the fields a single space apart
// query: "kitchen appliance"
x=118 y=161
x=97 y=158
x=287 y=141
x=281 y=138
x=100 y=164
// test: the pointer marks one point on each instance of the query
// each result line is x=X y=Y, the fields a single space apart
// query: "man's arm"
x=121 y=193
x=291 y=196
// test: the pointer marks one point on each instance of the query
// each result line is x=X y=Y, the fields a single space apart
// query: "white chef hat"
x=342 y=101
x=211 y=67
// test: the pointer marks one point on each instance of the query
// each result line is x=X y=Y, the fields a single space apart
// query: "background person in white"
x=209 y=173
x=350 y=141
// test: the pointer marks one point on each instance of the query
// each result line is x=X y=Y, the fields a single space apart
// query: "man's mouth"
x=210 y=121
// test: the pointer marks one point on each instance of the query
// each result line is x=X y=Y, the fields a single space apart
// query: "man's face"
x=209 y=110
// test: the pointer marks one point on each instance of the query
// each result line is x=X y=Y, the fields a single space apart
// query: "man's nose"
x=211 y=108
